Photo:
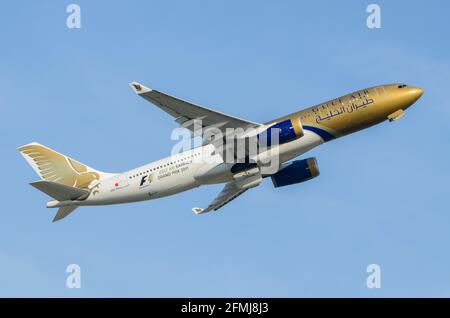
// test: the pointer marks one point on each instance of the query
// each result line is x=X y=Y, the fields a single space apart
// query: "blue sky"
x=380 y=197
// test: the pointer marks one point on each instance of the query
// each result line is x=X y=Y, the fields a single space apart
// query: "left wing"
x=242 y=182
x=185 y=112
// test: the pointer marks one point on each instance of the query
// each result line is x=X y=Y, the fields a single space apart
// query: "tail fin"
x=55 y=167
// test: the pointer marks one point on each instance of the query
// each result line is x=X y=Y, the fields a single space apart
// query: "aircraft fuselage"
x=320 y=123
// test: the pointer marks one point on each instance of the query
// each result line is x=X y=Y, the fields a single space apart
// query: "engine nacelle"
x=288 y=130
x=295 y=172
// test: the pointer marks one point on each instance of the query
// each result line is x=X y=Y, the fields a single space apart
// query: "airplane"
x=72 y=184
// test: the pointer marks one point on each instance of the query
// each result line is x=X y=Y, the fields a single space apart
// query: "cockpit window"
x=402 y=86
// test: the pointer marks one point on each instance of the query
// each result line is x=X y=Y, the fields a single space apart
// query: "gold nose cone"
x=411 y=94
x=417 y=92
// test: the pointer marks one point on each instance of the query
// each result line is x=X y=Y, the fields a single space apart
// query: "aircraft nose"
x=416 y=92
x=411 y=94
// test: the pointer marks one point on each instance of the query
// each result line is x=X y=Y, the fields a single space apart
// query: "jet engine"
x=295 y=172
x=288 y=130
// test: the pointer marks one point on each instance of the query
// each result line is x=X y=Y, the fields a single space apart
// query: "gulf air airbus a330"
x=72 y=184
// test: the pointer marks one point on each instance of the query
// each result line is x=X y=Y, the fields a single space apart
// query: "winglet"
x=139 y=88
x=198 y=210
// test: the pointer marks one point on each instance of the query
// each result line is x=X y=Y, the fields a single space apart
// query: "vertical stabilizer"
x=53 y=166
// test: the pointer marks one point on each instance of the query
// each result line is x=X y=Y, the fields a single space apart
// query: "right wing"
x=185 y=112
x=230 y=192
x=242 y=182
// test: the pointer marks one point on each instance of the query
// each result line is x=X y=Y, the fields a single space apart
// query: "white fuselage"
x=176 y=174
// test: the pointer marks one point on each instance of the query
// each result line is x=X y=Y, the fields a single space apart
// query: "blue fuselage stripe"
x=325 y=135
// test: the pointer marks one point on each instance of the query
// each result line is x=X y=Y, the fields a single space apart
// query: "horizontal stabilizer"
x=63 y=212
x=60 y=191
